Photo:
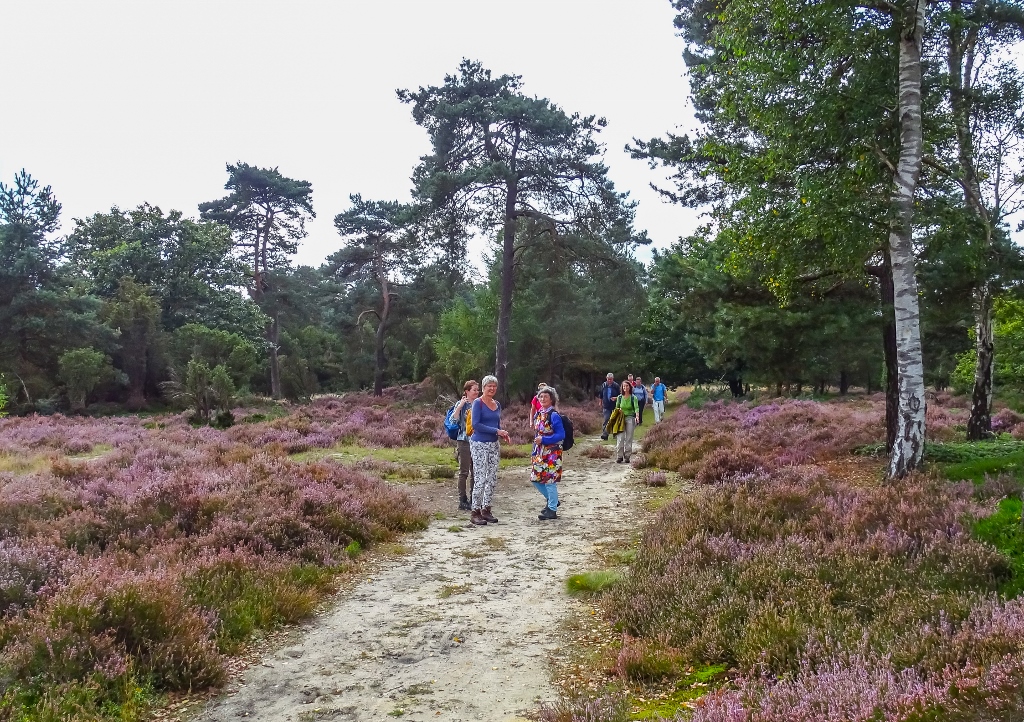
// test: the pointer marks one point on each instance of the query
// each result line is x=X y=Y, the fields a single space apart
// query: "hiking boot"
x=464 y=504
x=547 y=514
x=488 y=516
x=618 y=461
x=477 y=518
x=604 y=437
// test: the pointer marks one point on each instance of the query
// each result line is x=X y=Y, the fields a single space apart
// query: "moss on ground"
x=696 y=683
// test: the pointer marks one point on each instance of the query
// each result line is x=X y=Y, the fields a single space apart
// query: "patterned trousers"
x=486 y=455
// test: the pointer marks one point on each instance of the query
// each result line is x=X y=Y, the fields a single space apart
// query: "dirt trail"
x=459 y=628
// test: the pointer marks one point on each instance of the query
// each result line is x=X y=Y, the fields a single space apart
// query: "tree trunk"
x=844 y=383
x=273 y=339
x=508 y=249
x=979 y=425
x=380 y=360
x=960 y=59
x=892 y=370
x=908 y=448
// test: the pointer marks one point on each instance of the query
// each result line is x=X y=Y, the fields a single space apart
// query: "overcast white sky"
x=120 y=102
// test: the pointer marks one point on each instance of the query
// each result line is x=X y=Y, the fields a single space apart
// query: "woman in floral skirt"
x=546 y=460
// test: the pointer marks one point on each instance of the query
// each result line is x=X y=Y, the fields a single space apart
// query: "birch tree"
x=985 y=98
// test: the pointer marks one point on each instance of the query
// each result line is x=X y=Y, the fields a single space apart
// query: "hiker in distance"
x=546 y=459
x=640 y=391
x=658 y=393
x=608 y=391
x=483 y=444
x=470 y=391
x=630 y=408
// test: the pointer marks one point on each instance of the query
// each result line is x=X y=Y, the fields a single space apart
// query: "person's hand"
x=503 y=435
x=538 y=440
x=637 y=418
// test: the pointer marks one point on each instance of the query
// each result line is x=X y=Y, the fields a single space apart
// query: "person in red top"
x=630 y=380
x=535 y=405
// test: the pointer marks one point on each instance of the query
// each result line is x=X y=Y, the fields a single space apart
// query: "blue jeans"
x=549 y=492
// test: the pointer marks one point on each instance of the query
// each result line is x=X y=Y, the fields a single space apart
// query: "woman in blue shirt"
x=483 y=445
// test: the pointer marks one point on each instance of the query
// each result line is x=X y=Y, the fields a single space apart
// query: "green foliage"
x=82 y=370
x=204 y=390
x=1004 y=531
x=135 y=314
x=961 y=452
x=1008 y=318
x=215 y=348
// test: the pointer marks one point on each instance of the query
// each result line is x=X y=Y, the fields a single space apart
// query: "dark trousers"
x=465 y=460
x=643 y=403
x=604 y=425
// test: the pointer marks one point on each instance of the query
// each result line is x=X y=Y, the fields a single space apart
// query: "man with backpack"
x=608 y=392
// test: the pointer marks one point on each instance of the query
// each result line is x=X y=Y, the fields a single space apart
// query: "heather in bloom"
x=134 y=555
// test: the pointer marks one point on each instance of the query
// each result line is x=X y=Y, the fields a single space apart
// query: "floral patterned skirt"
x=546 y=464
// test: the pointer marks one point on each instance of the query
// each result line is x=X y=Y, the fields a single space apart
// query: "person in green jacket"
x=630 y=407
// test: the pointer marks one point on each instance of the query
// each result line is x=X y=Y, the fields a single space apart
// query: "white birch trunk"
x=909 y=443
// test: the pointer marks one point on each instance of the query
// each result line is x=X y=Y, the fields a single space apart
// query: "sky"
x=125 y=102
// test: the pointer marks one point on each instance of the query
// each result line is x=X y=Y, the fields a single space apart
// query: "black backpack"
x=568 y=441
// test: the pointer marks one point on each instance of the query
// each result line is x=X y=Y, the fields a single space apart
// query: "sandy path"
x=459 y=628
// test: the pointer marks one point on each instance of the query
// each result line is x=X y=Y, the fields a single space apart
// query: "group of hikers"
x=474 y=422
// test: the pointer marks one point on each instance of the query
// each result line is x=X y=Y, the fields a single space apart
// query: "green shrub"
x=1003 y=530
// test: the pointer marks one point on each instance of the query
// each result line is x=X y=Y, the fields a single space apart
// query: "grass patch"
x=420 y=454
x=592 y=582
x=470 y=554
x=693 y=685
x=1003 y=531
x=17 y=464
x=441 y=472
x=456 y=529
x=494 y=542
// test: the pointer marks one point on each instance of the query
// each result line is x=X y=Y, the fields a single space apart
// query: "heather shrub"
x=655 y=478
x=610 y=708
x=729 y=464
x=598 y=451
x=779 y=433
x=754 y=572
x=244 y=593
x=647 y=660
x=129 y=573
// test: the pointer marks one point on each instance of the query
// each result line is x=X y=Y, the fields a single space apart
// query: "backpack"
x=568 y=441
x=451 y=424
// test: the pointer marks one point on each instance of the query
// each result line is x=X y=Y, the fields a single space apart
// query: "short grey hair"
x=551 y=391
x=489 y=379
x=609 y=375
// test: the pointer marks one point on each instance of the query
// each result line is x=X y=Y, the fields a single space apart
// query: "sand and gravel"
x=461 y=627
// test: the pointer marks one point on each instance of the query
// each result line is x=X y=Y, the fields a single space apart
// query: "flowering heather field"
x=135 y=553
x=832 y=595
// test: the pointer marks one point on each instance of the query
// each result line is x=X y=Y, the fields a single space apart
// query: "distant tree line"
x=812 y=273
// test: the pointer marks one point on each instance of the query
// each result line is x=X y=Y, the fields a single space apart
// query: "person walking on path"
x=470 y=390
x=658 y=393
x=546 y=459
x=483 y=445
x=608 y=391
x=640 y=391
x=627 y=403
